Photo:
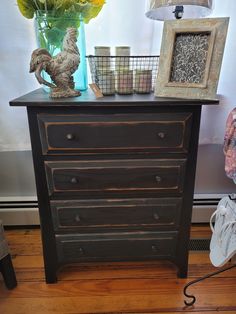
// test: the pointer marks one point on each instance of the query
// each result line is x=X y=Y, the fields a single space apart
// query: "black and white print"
x=189 y=57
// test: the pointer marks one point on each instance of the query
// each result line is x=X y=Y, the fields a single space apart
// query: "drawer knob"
x=74 y=180
x=70 y=136
x=77 y=218
x=161 y=135
x=156 y=216
x=81 y=251
x=154 y=248
x=158 y=179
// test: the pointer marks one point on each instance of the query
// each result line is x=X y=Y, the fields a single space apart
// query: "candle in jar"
x=106 y=82
x=125 y=82
x=122 y=58
x=143 y=81
x=102 y=58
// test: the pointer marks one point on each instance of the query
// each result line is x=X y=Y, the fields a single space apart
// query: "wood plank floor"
x=143 y=287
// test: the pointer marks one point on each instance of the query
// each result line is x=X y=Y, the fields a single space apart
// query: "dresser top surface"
x=40 y=98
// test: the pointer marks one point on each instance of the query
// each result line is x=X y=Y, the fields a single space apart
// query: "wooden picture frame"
x=191 y=57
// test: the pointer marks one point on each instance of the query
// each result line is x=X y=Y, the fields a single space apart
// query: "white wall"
x=16 y=44
x=213 y=118
x=120 y=23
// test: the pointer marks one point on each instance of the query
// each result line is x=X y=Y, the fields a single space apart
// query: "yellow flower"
x=88 y=9
x=82 y=2
x=97 y=2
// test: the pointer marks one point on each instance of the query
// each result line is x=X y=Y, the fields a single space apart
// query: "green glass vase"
x=50 y=31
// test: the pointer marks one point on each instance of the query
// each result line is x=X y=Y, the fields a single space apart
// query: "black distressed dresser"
x=115 y=176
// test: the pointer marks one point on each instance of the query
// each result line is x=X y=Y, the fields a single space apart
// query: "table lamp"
x=171 y=9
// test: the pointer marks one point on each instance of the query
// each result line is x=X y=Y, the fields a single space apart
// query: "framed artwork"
x=191 y=57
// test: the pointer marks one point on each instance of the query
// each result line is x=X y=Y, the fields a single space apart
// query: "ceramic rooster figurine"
x=60 y=68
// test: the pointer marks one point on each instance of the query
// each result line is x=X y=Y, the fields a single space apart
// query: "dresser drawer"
x=117 y=133
x=106 y=177
x=74 y=248
x=163 y=213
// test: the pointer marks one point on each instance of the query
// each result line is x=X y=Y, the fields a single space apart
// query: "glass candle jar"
x=106 y=82
x=122 y=58
x=125 y=82
x=103 y=60
x=143 y=81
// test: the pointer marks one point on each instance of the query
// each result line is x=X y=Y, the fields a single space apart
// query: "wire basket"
x=124 y=74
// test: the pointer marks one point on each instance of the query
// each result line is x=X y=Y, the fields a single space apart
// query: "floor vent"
x=199 y=244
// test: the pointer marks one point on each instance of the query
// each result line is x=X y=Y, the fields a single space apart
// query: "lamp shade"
x=163 y=9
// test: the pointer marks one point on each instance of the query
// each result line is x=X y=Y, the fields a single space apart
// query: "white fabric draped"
x=121 y=22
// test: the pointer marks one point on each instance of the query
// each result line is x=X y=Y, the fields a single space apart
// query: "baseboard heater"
x=17 y=211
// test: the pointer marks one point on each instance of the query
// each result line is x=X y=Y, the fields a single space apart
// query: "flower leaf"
x=27 y=8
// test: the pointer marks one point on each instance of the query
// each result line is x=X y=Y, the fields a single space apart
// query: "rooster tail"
x=69 y=41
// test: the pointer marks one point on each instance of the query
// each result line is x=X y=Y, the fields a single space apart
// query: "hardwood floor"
x=144 y=287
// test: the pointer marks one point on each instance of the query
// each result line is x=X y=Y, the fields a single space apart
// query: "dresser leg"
x=50 y=276
x=183 y=271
